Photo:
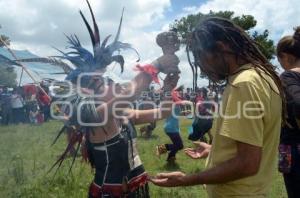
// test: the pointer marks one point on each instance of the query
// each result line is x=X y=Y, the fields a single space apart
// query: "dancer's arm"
x=146 y=116
x=165 y=110
x=136 y=86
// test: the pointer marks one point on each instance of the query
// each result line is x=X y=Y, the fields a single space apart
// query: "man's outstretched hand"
x=171 y=179
x=174 y=179
x=200 y=151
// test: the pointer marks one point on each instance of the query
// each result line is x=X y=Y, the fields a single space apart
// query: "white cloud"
x=278 y=16
x=37 y=25
x=189 y=9
x=35 y=22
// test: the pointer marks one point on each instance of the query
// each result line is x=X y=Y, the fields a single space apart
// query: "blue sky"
x=178 y=5
x=171 y=13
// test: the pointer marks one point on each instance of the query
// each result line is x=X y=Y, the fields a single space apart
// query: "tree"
x=5 y=39
x=186 y=24
x=8 y=77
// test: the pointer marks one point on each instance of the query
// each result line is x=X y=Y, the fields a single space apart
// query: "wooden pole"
x=21 y=77
x=24 y=68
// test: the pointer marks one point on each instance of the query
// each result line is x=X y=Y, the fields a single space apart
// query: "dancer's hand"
x=171 y=179
x=200 y=151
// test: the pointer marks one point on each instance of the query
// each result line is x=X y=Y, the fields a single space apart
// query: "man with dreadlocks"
x=242 y=158
x=99 y=116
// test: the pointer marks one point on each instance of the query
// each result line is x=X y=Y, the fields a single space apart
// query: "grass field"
x=26 y=156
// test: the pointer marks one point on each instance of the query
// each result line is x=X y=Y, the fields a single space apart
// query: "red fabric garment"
x=149 y=69
x=117 y=190
x=43 y=98
x=176 y=96
x=40 y=118
x=30 y=89
x=137 y=182
x=95 y=190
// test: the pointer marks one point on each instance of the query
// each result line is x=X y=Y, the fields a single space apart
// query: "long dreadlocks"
x=211 y=30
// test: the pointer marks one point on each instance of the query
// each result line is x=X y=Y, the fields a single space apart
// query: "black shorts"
x=117 y=163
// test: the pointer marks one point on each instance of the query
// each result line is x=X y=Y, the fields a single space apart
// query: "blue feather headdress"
x=103 y=53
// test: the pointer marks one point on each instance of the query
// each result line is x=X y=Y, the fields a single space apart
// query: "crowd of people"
x=260 y=114
x=203 y=99
x=24 y=104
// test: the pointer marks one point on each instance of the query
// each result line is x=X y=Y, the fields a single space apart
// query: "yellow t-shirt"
x=250 y=112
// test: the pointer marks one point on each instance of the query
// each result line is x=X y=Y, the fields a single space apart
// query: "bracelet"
x=149 y=69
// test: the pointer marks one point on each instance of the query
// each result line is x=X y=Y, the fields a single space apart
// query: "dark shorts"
x=200 y=127
x=119 y=170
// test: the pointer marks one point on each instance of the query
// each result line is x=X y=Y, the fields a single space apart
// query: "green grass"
x=26 y=156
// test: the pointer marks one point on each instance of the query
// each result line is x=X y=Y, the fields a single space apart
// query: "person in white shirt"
x=17 y=105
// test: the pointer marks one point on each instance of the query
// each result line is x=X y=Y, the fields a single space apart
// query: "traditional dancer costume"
x=118 y=168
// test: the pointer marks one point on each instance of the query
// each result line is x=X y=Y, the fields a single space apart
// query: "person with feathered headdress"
x=97 y=111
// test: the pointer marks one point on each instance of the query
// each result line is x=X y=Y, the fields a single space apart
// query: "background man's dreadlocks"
x=205 y=39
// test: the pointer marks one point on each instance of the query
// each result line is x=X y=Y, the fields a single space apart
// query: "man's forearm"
x=140 y=83
x=230 y=170
x=166 y=108
x=150 y=115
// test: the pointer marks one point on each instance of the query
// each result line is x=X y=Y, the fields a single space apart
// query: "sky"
x=39 y=25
